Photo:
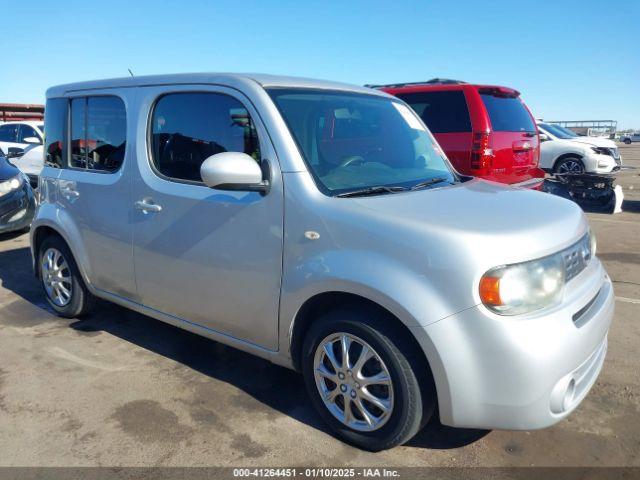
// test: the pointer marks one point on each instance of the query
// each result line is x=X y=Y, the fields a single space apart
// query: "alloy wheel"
x=56 y=277
x=353 y=382
x=570 y=166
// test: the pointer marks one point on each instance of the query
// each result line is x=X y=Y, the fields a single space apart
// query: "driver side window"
x=187 y=128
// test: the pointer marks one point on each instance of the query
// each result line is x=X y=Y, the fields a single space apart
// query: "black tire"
x=566 y=161
x=81 y=299
x=627 y=141
x=414 y=394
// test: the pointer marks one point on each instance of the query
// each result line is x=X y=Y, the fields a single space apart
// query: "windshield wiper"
x=431 y=181
x=371 y=191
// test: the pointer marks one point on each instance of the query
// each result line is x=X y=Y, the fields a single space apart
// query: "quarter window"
x=98 y=133
x=55 y=119
x=187 y=128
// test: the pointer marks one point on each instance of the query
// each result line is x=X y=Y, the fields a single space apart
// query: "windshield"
x=355 y=141
x=571 y=133
x=556 y=131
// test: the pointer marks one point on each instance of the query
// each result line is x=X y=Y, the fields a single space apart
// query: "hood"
x=501 y=224
x=7 y=169
x=595 y=141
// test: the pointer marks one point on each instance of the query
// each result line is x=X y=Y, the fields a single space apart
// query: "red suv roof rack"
x=433 y=81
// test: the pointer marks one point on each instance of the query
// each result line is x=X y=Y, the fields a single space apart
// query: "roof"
x=440 y=84
x=209 y=78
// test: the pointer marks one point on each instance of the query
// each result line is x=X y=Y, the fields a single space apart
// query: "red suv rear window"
x=507 y=113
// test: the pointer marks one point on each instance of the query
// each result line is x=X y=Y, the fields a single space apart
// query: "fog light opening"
x=18 y=215
x=569 y=393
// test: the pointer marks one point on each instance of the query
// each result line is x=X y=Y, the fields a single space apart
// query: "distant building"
x=13 y=112
x=593 y=128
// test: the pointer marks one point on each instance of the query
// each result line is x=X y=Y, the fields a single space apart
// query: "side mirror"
x=32 y=140
x=233 y=171
x=543 y=137
x=14 y=152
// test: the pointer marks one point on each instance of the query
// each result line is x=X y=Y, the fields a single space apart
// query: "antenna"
x=130 y=72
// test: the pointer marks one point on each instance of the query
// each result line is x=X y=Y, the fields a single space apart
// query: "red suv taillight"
x=481 y=154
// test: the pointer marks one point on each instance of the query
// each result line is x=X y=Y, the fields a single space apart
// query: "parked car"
x=631 y=137
x=17 y=201
x=319 y=226
x=562 y=152
x=27 y=136
x=486 y=131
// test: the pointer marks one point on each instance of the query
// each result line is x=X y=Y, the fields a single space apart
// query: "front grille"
x=576 y=257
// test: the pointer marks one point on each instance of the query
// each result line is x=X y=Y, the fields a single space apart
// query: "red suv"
x=485 y=130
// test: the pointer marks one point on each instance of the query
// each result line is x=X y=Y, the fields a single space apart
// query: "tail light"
x=481 y=154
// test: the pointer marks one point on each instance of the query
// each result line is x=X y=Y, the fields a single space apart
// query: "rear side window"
x=507 y=114
x=55 y=117
x=442 y=112
x=98 y=133
x=188 y=128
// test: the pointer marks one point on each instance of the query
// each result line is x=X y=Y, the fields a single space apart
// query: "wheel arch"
x=565 y=156
x=39 y=234
x=314 y=307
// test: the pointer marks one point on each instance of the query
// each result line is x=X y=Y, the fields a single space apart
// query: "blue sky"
x=570 y=59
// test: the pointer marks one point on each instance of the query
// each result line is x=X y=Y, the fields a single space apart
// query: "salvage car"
x=318 y=225
x=486 y=131
x=562 y=152
x=17 y=200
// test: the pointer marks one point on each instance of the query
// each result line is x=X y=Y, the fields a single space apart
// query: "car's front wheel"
x=570 y=165
x=627 y=141
x=361 y=376
x=64 y=288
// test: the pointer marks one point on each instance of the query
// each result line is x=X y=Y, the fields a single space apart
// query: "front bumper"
x=604 y=163
x=17 y=209
x=523 y=373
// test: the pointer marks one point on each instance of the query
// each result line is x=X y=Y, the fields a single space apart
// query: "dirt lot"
x=123 y=389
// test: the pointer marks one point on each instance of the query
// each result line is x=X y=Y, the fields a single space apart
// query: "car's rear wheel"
x=627 y=141
x=570 y=165
x=63 y=286
x=361 y=379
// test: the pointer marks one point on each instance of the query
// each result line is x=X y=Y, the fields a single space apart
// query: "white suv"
x=562 y=151
x=27 y=137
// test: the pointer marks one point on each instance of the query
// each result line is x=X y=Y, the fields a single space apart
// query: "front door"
x=204 y=256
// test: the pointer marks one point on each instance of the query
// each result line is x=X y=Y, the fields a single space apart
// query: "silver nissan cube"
x=320 y=226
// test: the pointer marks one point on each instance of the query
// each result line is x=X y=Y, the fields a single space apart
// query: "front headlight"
x=529 y=286
x=523 y=287
x=601 y=150
x=11 y=185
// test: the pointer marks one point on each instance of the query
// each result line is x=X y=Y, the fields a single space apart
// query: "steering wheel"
x=352 y=160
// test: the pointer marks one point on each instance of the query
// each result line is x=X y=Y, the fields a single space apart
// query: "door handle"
x=147 y=207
